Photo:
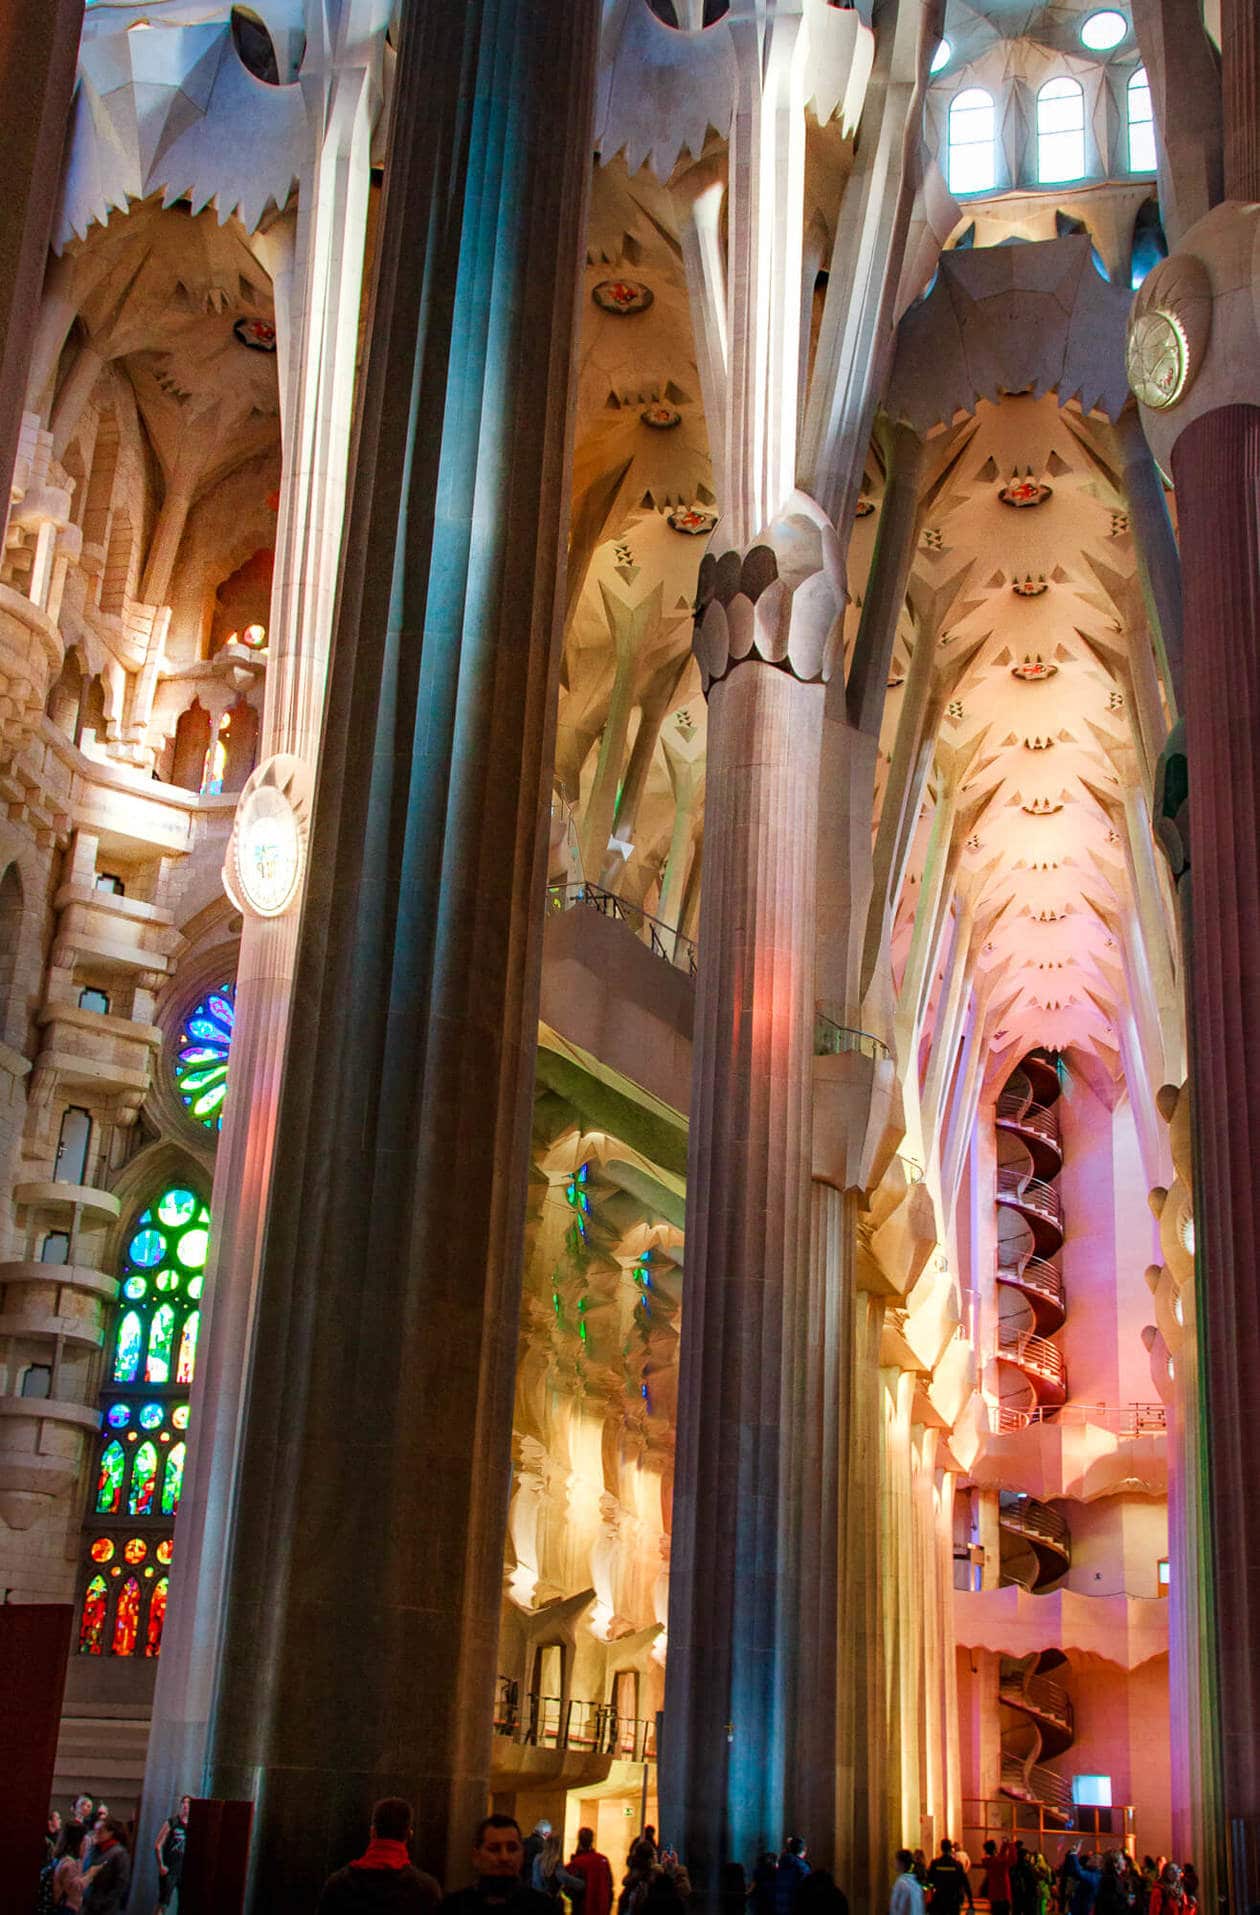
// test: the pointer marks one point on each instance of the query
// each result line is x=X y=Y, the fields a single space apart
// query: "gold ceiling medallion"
x=1033 y=669
x=1024 y=492
x=622 y=296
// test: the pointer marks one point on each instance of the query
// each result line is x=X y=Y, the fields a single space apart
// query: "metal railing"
x=1030 y=1193
x=1037 y=1274
x=1118 y=1419
x=1033 y=1782
x=1040 y=1697
x=1041 y=1119
x=1035 y=1354
x=663 y=940
x=557 y=1722
x=832 y=1039
x=1036 y=1520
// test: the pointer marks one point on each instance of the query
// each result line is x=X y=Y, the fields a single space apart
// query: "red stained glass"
x=92 y=1620
x=157 y=1617
x=127 y=1619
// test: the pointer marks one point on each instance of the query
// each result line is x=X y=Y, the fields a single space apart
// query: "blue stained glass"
x=146 y=1248
x=202 y=1027
x=134 y=1288
x=177 y=1206
x=118 y=1416
x=150 y=1416
x=201 y=1061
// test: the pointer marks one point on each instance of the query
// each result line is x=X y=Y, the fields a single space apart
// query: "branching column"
x=363 y=1603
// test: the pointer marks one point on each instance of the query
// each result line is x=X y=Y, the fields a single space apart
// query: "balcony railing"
x=1119 y=1419
x=556 y=1722
x=832 y=1039
x=1030 y=1193
x=663 y=940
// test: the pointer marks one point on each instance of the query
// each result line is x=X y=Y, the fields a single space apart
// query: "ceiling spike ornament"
x=1038 y=743
x=1043 y=807
x=622 y=297
x=1029 y=587
x=692 y=520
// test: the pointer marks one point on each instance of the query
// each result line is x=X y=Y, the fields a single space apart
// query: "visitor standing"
x=1084 y=1879
x=790 y=1872
x=1168 y=1897
x=67 y=1875
x=534 y=1843
x=907 y=1894
x=168 y=1846
x=949 y=1883
x=595 y=1872
x=108 y=1875
x=498 y=1859
x=549 y=1875
x=384 y=1880
x=998 y=1863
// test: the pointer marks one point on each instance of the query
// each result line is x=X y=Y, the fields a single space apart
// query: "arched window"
x=143 y=1446
x=201 y=1055
x=972 y=155
x=1060 y=130
x=1141 y=123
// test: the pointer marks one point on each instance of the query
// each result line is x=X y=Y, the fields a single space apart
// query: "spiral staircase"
x=1036 y=1544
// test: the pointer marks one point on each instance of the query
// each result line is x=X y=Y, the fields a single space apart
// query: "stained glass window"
x=144 y=1427
x=201 y=1056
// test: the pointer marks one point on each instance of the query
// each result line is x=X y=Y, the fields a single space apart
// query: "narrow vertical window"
x=1141 y=123
x=972 y=158
x=1060 y=130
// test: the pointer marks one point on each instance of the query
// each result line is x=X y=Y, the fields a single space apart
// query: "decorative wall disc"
x=266 y=853
x=1157 y=359
x=258 y=334
x=1168 y=330
x=692 y=519
x=622 y=296
x=1024 y=492
x=660 y=417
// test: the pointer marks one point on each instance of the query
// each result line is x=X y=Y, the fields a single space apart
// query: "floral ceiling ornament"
x=694 y=520
x=1043 y=807
x=1024 y=492
x=864 y=508
x=1033 y=669
x=1029 y=587
x=258 y=334
x=660 y=417
x=1038 y=743
x=622 y=296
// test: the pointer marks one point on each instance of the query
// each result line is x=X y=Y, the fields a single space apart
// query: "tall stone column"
x=363 y=1601
x=39 y=44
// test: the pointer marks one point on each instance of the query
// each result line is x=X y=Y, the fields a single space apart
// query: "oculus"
x=691 y=519
x=1157 y=359
x=622 y=296
x=660 y=417
x=1168 y=331
x=1104 y=30
x=1024 y=492
x=258 y=334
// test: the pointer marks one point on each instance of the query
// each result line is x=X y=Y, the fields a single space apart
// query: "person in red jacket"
x=998 y=1863
x=596 y=1873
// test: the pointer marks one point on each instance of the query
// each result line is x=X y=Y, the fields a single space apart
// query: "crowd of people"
x=89 y=1869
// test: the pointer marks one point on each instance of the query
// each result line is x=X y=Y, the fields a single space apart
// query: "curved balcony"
x=1035 y=1541
x=1036 y=1126
x=1035 y=1200
x=1039 y=1360
x=1037 y=1279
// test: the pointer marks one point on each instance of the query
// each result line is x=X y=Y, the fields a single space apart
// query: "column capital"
x=780 y=601
x=1193 y=341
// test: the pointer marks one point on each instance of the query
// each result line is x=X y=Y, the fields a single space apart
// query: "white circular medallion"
x=1157 y=359
x=267 y=850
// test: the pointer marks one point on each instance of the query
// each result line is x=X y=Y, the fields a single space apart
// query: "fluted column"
x=363 y=1604
x=732 y=1705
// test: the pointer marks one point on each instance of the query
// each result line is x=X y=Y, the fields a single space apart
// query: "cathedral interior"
x=629 y=941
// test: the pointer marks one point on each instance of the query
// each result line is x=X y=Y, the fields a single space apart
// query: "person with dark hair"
x=949 y=1883
x=108 y=1877
x=1023 y=1883
x=821 y=1894
x=168 y=1846
x=761 y=1890
x=595 y=1872
x=67 y=1872
x=384 y=1879
x=998 y=1863
x=907 y=1895
x=790 y=1872
x=732 y=1889
x=498 y=1857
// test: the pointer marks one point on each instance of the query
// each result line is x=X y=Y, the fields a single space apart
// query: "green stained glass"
x=179 y=1416
x=109 y=1479
x=127 y=1348
x=151 y=1416
x=188 y=1348
x=173 y=1481
x=143 y=1481
x=191 y=1248
x=177 y=1206
x=194 y=1286
x=168 y=1279
x=157 y=1368
x=134 y=1288
x=201 y=1061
